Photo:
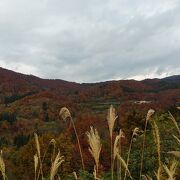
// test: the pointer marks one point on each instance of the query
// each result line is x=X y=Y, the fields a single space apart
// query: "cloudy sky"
x=91 y=40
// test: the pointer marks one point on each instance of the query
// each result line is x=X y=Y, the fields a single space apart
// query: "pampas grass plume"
x=55 y=165
x=149 y=114
x=64 y=113
x=95 y=145
x=111 y=118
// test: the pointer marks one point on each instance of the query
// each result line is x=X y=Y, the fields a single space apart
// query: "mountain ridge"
x=21 y=90
x=173 y=77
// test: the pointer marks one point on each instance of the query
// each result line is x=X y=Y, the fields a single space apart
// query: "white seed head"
x=149 y=114
x=111 y=118
x=64 y=113
x=95 y=144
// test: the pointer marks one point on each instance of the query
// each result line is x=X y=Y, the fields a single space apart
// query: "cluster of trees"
x=15 y=97
x=45 y=111
x=9 y=117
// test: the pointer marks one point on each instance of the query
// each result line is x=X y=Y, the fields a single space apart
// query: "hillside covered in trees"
x=30 y=104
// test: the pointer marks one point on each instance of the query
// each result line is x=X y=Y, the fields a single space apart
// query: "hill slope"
x=18 y=85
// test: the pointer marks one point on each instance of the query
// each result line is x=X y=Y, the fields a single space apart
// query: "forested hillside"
x=30 y=104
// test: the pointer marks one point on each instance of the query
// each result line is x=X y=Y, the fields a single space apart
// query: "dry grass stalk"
x=35 y=165
x=64 y=113
x=124 y=165
x=177 y=139
x=75 y=175
x=95 y=174
x=37 y=145
x=157 y=140
x=39 y=155
x=175 y=153
x=171 y=172
x=111 y=118
x=116 y=148
x=146 y=177
x=174 y=121
x=122 y=135
x=158 y=146
x=95 y=145
x=158 y=174
x=134 y=134
x=53 y=142
x=148 y=117
x=55 y=165
x=2 y=167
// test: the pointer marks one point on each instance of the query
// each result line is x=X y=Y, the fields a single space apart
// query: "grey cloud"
x=88 y=41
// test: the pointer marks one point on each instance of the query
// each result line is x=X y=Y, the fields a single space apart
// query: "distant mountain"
x=174 y=78
x=20 y=82
x=16 y=86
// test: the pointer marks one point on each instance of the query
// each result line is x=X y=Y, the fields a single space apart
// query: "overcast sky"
x=91 y=40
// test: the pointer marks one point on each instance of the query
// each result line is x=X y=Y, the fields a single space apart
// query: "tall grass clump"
x=111 y=118
x=56 y=161
x=65 y=114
